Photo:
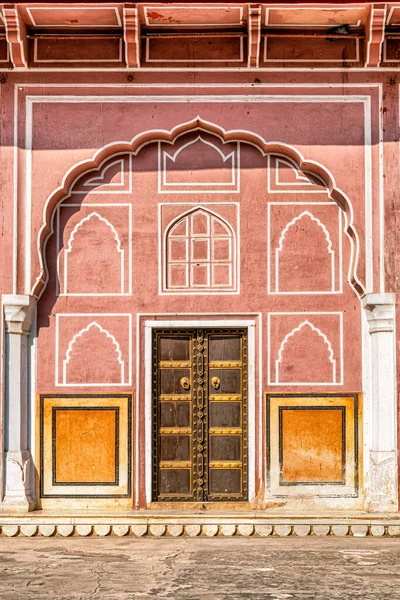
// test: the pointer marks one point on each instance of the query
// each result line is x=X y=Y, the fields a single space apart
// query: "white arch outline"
x=151 y=136
x=299 y=176
x=282 y=158
x=285 y=340
x=174 y=157
x=79 y=335
x=279 y=249
x=234 y=250
x=122 y=187
x=71 y=239
x=97 y=180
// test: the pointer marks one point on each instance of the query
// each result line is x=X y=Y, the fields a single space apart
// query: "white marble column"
x=18 y=316
x=382 y=494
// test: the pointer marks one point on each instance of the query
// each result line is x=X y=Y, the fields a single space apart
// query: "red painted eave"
x=291 y=3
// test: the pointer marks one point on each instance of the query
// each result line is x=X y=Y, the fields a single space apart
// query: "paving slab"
x=203 y=568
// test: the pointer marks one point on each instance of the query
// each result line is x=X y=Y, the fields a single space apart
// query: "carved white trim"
x=96 y=184
x=97 y=180
x=303 y=183
x=299 y=175
x=68 y=250
x=196 y=186
x=279 y=249
x=18 y=313
x=363 y=525
x=292 y=333
x=80 y=334
x=210 y=263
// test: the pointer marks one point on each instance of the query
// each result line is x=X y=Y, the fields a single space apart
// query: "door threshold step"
x=45 y=524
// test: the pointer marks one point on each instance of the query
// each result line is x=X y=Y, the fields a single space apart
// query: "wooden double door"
x=200 y=415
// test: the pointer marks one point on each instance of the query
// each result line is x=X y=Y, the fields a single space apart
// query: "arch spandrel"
x=97 y=163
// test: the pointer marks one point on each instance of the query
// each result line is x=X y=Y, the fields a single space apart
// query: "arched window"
x=200 y=253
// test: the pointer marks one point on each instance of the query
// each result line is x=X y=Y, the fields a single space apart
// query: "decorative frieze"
x=208 y=527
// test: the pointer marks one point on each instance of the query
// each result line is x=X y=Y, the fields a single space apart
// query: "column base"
x=382 y=495
x=17 y=493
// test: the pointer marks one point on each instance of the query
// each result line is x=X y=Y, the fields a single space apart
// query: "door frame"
x=202 y=324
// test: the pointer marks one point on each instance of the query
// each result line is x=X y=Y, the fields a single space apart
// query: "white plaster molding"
x=380 y=310
x=279 y=249
x=79 y=335
x=18 y=313
x=232 y=161
x=185 y=525
x=168 y=235
x=68 y=251
x=17 y=493
x=292 y=333
x=383 y=479
x=382 y=472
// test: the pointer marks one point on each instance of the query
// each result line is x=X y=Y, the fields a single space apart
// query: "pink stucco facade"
x=236 y=181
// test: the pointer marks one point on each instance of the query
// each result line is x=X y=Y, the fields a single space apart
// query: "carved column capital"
x=380 y=312
x=18 y=313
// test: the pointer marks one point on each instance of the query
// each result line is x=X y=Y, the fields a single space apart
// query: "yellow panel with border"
x=85 y=447
x=312 y=445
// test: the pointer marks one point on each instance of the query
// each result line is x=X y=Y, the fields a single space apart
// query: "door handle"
x=185 y=383
x=215 y=382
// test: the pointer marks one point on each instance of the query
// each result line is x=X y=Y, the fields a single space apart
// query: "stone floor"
x=199 y=569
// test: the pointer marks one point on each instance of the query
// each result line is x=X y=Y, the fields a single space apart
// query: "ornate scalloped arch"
x=133 y=146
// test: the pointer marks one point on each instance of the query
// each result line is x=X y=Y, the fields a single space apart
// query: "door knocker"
x=185 y=383
x=215 y=382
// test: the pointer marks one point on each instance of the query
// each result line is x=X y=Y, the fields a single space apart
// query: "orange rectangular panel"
x=85 y=442
x=85 y=448
x=312 y=445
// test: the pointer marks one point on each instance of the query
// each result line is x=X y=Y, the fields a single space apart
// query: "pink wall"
x=276 y=233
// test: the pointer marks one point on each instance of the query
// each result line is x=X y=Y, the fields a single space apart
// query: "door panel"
x=172 y=380
x=225 y=482
x=174 y=349
x=225 y=349
x=200 y=415
x=224 y=381
x=173 y=416
x=224 y=414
